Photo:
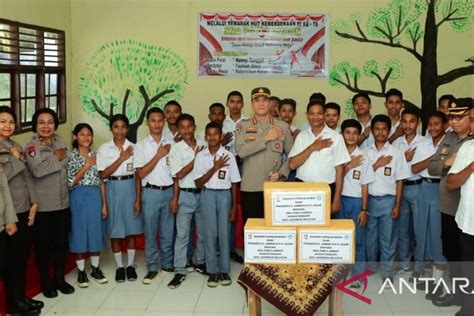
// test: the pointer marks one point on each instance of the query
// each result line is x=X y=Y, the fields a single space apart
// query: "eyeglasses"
x=456 y=118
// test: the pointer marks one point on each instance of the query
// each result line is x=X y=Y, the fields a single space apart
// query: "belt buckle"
x=119 y=178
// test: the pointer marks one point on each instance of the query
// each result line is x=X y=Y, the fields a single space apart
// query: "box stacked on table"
x=297 y=227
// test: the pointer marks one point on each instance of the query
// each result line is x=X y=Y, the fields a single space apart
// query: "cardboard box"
x=333 y=244
x=297 y=203
x=269 y=244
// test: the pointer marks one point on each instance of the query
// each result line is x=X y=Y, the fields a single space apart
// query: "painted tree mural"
x=129 y=77
x=399 y=25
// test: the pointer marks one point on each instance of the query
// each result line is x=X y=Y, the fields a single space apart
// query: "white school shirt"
x=221 y=179
x=108 y=153
x=180 y=155
x=465 y=213
x=168 y=135
x=386 y=177
x=358 y=176
x=394 y=128
x=369 y=141
x=230 y=126
x=401 y=143
x=145 y=150
x=425 y=150
x=320 y=165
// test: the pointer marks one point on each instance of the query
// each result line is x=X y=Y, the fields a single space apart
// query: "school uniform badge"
x=356 y=175
x=129 y=167
x=31 y=151
x=221 y=174
x=387 y=171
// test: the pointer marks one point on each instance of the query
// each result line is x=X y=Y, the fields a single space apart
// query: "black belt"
x=191 y=190
x=158 y=187
x=120 y=178
x=432 y=180
x=414 y=182
x=215 y=189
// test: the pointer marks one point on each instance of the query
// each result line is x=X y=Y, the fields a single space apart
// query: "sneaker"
x=213 y=280
x=131 y=273
x=224 y=279
x=82 y=280
x=120 y=275
x=177 y=280
x=190 y=266
x=149 y=277
x=236 y=257
x=169 y=270
x=356 y=285
x=201 y=268
x=98 y=275
x=401 y=270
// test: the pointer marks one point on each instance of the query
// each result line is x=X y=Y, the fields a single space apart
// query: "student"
x=408 y=144
x=361 y=104
x=181 y=156
x=274 y=106
x=427 y=222
x=235 y=104
x=18 y=245
x=317 y=96
x=261 y=143
x=287 y=112
x=319 y=154
x=443 y=102
x=172 y=110
x=216 y=173
x=358 y=173
x=332 y=114
x=217 y=114
x=394 y=105
x=159 y=195
x=124 y=220
x=46 y=157
x=385 y=196
x=88 y=205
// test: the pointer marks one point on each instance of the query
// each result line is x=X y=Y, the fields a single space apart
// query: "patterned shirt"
x=75 y=163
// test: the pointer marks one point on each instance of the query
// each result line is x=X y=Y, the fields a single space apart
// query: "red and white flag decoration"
x=263 y=45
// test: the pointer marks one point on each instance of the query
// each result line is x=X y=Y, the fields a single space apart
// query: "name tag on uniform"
x=129 y=167
x=356 y=175
x=251 y=130
x=251 y=138
x=221 y=174
x=387 y=171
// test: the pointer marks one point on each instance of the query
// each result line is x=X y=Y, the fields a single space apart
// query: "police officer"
x=261 y=142
x=440 y=164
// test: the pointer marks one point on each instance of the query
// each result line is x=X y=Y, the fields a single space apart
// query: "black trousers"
x=252 y=205
x=18 y=249
x=467 y=256
x=450 y=235
x=51 y=232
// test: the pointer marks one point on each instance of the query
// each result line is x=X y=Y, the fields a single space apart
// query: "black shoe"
x=447 y=300
x=22 y=307
x=170 y=270
x=201 y=268
x=34 y=303
x=98 y=275
x=82 y=280
x=149 y=277
x=177 y=280
x=213 y=280
x=66 y=288
x=224 y=279
x=50 y=293
x=190 y=266
x=463 y=312
x=401 y=270
x=131 y=273
x=120 y=275
x=356 y=285
x=236 y=257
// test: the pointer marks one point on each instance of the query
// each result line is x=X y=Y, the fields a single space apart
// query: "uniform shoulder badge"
x=31 y=151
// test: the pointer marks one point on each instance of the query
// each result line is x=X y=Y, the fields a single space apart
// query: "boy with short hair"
x=217 y=174
x=172 y=110
x=385 y=196
x=361 y=104
x=182 y=155
x=274 y=106
x=332 y=114
x=159 y=195
x=235 y=103
x=394 y=105
x=287 y=112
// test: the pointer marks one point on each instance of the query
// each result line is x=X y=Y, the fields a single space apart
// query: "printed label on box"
x=270 y=246
x=296 y=208
x=325 y=246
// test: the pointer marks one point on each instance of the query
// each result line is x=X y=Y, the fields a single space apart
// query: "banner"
x=262 y=45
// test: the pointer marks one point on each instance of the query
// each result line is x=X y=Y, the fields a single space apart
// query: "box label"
x=325 y=246
x=298 y=208
x=270 y=246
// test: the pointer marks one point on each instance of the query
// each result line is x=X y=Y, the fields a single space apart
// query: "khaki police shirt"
x=448 y=201
x=20 y=180
x=261 y=157
x=49 y=174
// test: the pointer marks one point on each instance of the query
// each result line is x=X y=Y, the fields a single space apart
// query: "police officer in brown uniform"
x=261 y=142
x=46 y=157
x=443 y=159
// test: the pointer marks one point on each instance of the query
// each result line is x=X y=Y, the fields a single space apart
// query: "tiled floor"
x=193 y=297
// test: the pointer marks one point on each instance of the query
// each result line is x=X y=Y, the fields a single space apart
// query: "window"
x=32 y=70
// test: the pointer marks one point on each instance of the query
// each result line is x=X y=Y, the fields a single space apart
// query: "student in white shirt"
x=287 y=112
x=159 y=195
x=385 y=196
x=172 y=110
x=394 y=105
x=408 y=144
x=461 y=175
x=181 y=159
x=217 y=174
x=358 y=173
x=361 y=104
x=319 y=154
x=332 y=114
x=427 y=222
x=235 y=103
x=124 y=220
